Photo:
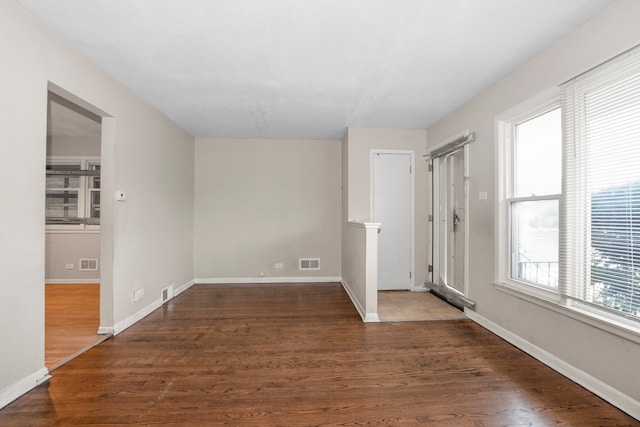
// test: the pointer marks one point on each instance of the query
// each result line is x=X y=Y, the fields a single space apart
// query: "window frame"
x=554 y=301
x=505 y=153
x=84 y=195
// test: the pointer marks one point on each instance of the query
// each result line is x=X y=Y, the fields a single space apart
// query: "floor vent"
x=309 y=263
x=88 y=264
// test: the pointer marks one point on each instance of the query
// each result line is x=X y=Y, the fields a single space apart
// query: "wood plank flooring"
x=72 y=318
x=298 y=355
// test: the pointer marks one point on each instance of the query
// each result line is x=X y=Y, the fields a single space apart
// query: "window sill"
x=541 y=298
x=72 y=229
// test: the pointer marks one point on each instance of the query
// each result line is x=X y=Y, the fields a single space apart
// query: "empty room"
x=322 y=212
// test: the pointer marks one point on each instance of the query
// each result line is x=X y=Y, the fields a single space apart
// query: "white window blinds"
x=600 y=230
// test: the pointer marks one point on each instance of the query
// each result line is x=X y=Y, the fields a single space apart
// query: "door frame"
x=435 y=216
x=436 y=236
x=411 y=154
x=107 y=179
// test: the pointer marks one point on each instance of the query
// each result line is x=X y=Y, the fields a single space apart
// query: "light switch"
x=121 y=196
x=482 y=195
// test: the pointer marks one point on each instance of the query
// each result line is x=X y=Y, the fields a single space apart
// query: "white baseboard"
x=19 y=388
x=234 y=280
x=180 y=289
x=136 y=317
x=615 y=397
x=141 y=314
x=366 y=317
x=105 y=330
x=371 y=318
x=72 y=281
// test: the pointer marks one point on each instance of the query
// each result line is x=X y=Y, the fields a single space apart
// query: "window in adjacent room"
x=72 y=194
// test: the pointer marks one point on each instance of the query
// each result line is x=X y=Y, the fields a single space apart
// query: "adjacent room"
x=72 y=236
x=324 y=212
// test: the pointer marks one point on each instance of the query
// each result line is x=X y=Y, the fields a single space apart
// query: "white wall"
x=67 y=248
x=262 y=202
x=360 y=267
x=607 y=362
x=148 y=240
x=357 y=146
x=64 y=145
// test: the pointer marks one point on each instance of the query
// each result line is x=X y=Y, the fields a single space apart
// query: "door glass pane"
x=449 y=222
x=535 y=242
x=455 y=217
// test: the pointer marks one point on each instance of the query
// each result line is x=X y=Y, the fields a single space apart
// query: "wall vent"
x=88 y=264
x=166 y=294
x=309 y=264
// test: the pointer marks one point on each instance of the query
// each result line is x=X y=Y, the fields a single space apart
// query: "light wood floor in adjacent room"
x=299 y=355
x=402 y=306
x=72 y=318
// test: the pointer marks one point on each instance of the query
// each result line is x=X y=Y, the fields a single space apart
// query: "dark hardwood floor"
x=298 y=355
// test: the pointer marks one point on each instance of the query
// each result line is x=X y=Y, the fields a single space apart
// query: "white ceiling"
x=309 y=68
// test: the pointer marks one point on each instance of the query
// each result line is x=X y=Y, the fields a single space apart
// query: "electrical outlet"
x=68 y=267
x=262 y=274
x=279 y=266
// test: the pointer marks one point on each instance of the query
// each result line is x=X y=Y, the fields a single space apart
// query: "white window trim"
x=540 y=296
x=504 y=124
x=74 y=228
x=580 y=312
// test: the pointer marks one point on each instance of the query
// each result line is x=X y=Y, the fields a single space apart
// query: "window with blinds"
x=593 y=223
x=72 y=198
x=600 y=232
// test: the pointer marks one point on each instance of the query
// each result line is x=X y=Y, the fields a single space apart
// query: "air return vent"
x=166 y=294
x=88 y=264
x=309 y=263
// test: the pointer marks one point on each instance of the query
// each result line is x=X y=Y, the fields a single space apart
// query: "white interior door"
x=392 y=207
x=450 y=221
